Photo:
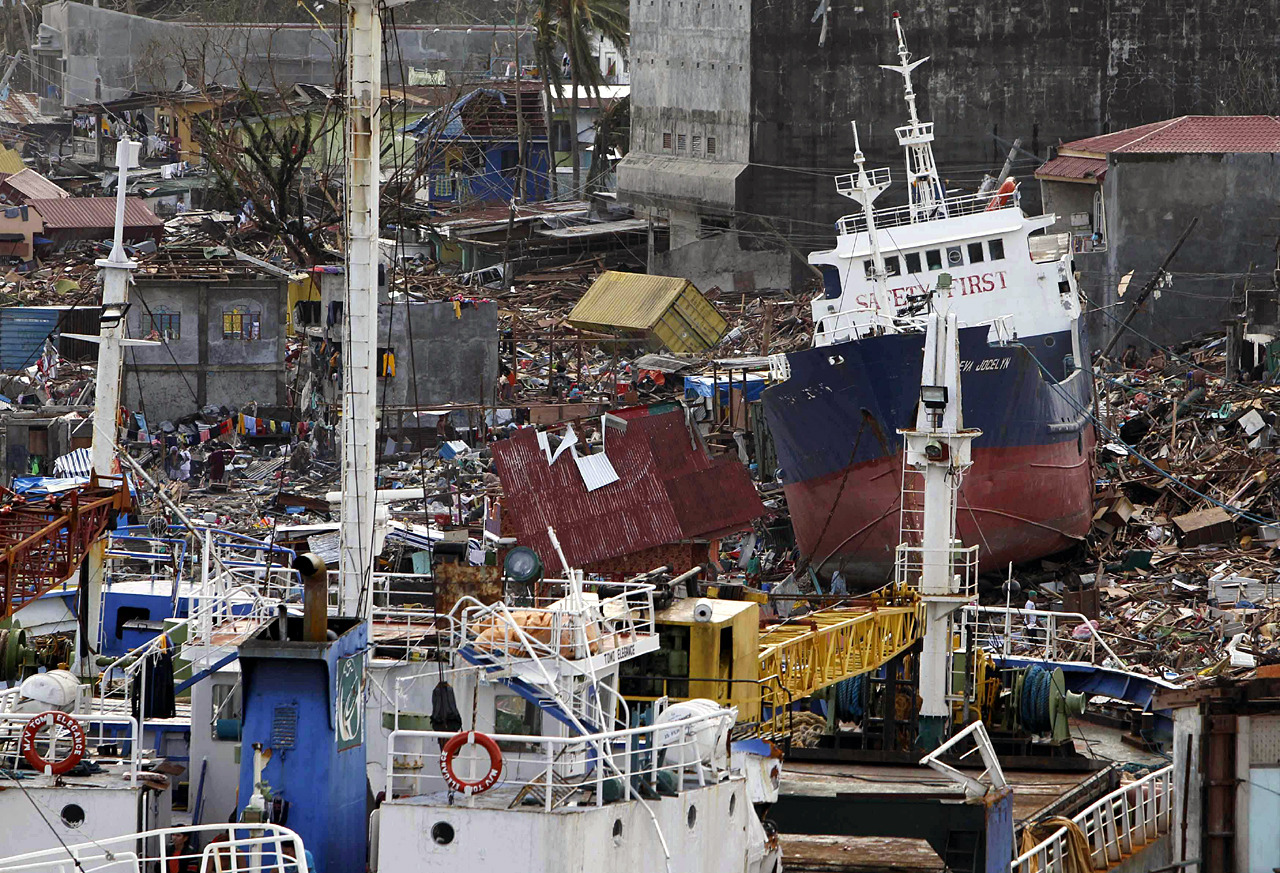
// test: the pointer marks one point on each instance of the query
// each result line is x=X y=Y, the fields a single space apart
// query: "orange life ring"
x=27 y=743
x=450 y=752
x=1003 y=196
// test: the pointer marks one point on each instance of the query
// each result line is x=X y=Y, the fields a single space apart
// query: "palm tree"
x=576 y=25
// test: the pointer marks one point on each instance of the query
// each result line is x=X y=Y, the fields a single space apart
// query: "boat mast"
x=116 y=269
x=864 y=188
x=363 y=133
x=924 y=188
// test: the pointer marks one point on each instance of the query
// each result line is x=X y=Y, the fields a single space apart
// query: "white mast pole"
x=106 y=393
x=364 y=95
x=868 y=191
x=924 y=188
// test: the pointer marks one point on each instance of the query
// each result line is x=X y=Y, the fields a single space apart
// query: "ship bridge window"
x=933 y=259
x=830 y=282
x=913 y=261
x=996 y=247
x=975 y=253
x=892 y=267
x=955 y=256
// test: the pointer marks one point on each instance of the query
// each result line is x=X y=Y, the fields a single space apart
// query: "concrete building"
x=1127 y=196
x=741 y=109
x=222 y=325
x=87 y=54
x=32 y=439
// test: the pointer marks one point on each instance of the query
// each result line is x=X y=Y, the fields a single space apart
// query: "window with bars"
x=241 y=325
x=443 y=186
x=711 y=145
x=666 y=140
x=166 y=325
x=682 y=142
x=697 y=144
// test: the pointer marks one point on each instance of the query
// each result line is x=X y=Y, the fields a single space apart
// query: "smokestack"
x=315 y=597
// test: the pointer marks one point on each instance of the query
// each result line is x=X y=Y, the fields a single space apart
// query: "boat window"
x=830 y=282
x=869 y=268
x=955 y=256
x=892 y=267
x=933 y=258
x=975 y=253
x=996 y=247
x=913 y=261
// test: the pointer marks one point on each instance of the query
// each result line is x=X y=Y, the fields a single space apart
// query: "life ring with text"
x=450 y=753
x=52 y=718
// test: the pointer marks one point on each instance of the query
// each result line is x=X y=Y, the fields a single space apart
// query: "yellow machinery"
x=716 y=649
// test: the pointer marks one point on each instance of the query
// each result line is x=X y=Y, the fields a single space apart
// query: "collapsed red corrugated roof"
x=669 y=489
x=1187 y=134
x=93 y=213
x=30 y=185
x=1076 y=169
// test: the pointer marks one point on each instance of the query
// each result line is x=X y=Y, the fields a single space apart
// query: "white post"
x=364 y=97
x=106 y=398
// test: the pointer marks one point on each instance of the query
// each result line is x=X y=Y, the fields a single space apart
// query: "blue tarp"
x=700 y=386
x=40 y=485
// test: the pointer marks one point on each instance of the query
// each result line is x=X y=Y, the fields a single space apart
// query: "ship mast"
x=864 y=188
x=363 y=134
x=924 y=188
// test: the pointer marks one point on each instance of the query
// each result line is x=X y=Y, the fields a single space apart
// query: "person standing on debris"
x=1033 y=623
x=184 y=465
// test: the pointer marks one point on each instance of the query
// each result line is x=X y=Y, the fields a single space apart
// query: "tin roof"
x=92 y=212
x=1073 y=169
x=1187 y=134
x=630 y=301
x=32 y=186
x=669 y=489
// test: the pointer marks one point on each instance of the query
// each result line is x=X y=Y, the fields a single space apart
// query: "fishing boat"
x=1023 y=355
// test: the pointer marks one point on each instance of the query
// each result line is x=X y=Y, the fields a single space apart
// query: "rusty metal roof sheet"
x=32 y=186
x=632 y=301
x=92 y=212
x=669 y=489
x=1187 y=134
x=1074 y=169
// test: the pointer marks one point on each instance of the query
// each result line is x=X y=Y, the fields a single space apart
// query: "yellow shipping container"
x=669 y=311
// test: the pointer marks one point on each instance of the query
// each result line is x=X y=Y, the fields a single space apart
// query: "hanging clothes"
x=159 y=696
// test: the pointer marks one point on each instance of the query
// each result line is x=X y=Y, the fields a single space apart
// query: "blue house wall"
x=497 y=182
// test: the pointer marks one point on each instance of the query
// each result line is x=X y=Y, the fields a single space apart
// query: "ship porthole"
x=442 y=833
x=692 y=817
x=617 y=831
x=733 y=804
x=72 y=815
x=1050 y=342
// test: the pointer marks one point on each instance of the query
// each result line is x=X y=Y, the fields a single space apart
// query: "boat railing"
x=572 y=626
x=949 y=207
x=1036 y=633
x=263 y=848
x=114 y=736
x=1116 y=826
x=547 y=771
x=960 y=565
x=847 y=184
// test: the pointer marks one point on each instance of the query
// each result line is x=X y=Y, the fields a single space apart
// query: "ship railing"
x=764 y=705
x=847 y=184
x=1115 y=826
x=864 y=321
x=225 y=848
x=960 y=564
x=1037 y=633
x=394 y=592
x=595 y=769
x=560 y=623
x=950 y=207
x=107 y=736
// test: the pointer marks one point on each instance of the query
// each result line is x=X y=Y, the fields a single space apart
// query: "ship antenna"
x=867 y=190
x=916 y=137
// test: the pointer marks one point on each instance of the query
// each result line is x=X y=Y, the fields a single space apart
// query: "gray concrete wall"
x=1063 y=199
x=721 y=262
x=132 y=53
x=1150 y=199
x=449 y=359
x=199 y=367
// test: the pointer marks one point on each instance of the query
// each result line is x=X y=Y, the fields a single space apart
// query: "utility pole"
x=1151 y=285
x=363 y=97
x=116 y=269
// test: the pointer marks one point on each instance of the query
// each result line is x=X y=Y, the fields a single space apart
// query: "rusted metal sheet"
x=669 y=490
x=455 y=581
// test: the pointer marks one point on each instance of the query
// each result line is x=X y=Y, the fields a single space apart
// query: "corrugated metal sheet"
x=669 y=490
x=32 y=186
x=669 y=309
x=22 y=334
x=91 y=213
x=1068 y=167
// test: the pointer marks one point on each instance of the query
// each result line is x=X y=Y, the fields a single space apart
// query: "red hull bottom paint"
x=1017 y=504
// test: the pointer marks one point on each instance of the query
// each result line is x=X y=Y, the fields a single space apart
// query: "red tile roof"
x=1187 y=134
x=92 y=213
x=1073 y=168
x=669 y=489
